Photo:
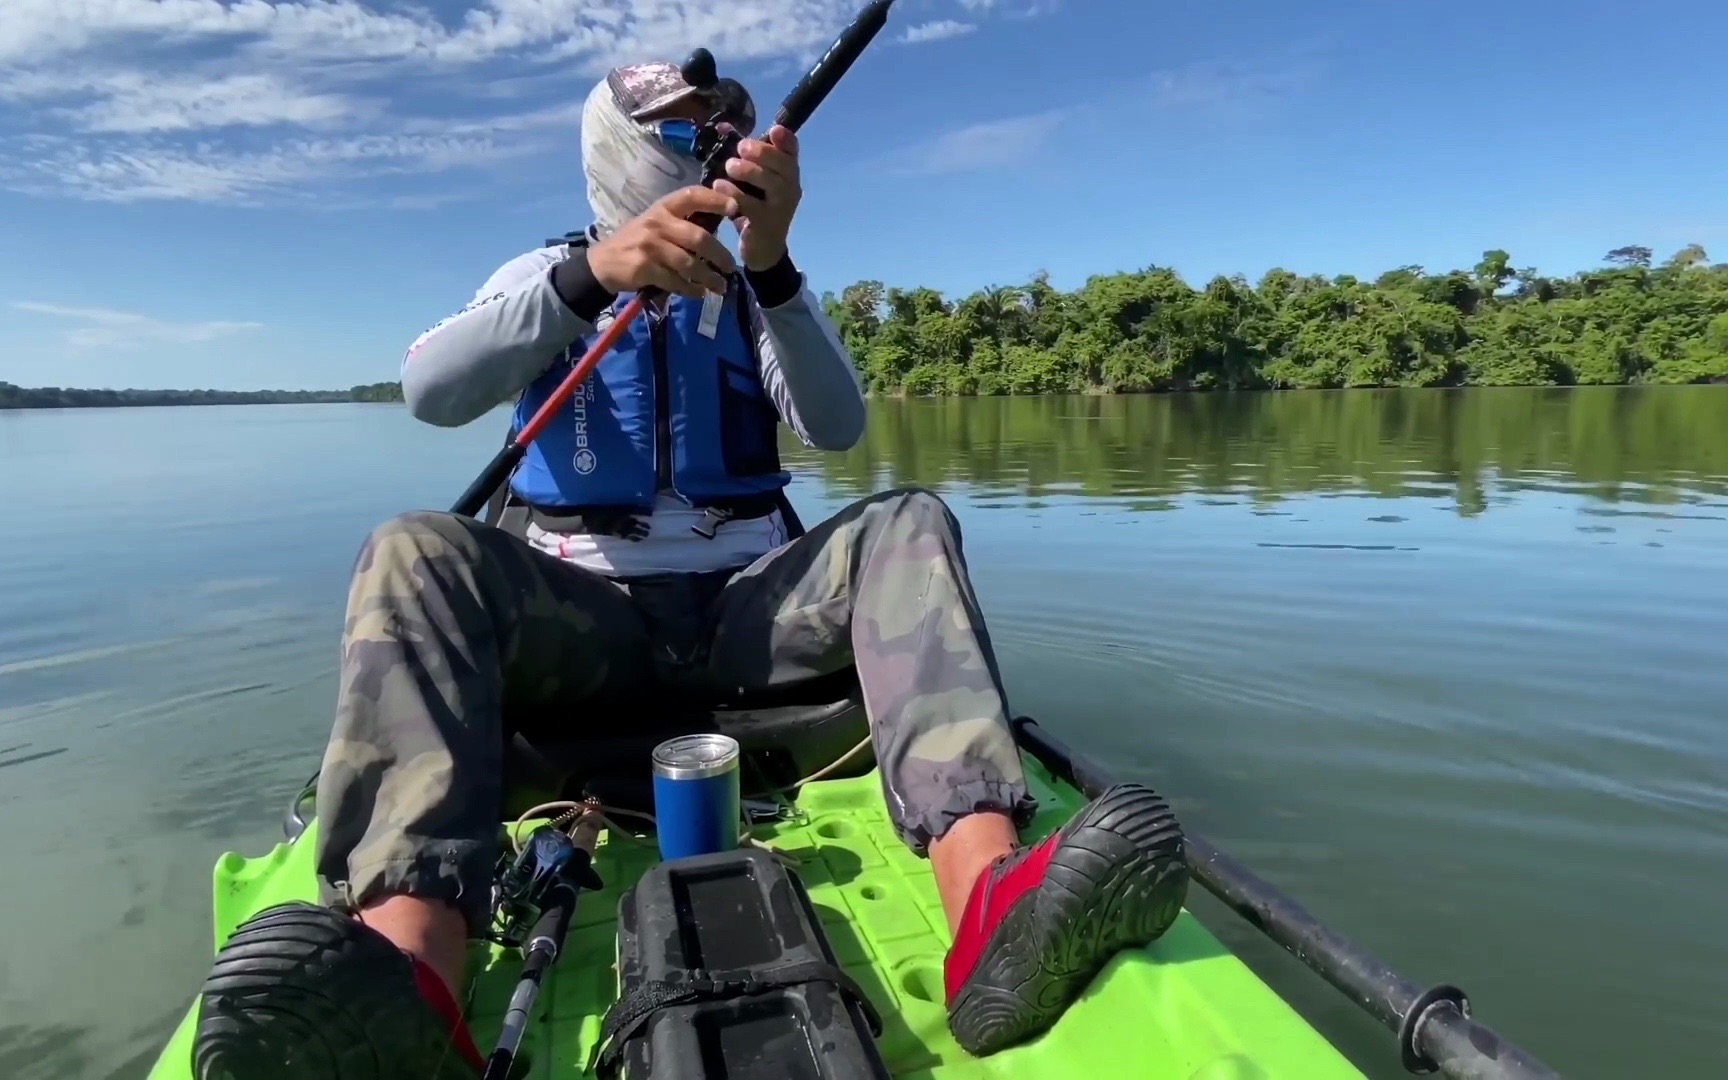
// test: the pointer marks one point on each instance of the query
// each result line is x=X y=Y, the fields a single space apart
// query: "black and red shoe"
x=1041 y=922
x=301 y=990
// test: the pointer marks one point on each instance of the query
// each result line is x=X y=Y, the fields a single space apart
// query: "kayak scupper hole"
x=923 y=983
x=836 y=830
x=872 y=892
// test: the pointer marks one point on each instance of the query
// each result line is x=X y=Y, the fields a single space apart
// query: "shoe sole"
x=301 y=991
x=1116 y=881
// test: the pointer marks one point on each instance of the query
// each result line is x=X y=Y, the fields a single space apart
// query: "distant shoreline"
x=54 y=397
x=16 y=398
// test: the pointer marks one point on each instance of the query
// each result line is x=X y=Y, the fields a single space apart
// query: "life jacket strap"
x=631 y=522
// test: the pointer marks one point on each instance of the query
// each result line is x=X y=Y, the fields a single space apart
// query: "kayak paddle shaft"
x=1434 y=1028
x=815 y=86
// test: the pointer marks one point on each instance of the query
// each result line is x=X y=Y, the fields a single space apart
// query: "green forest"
x=54 y=397
x=1494 y=325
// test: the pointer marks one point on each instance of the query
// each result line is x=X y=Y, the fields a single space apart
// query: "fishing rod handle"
x=546 y=939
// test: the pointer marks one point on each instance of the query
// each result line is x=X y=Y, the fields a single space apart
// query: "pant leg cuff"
x=930 y=823
x=456 y=872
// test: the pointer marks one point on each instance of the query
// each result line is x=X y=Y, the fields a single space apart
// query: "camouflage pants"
x=451 y=622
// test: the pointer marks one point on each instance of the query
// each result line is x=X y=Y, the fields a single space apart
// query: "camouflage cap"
x=642 y=90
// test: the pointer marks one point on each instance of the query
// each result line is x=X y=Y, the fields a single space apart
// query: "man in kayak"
x=654 y=548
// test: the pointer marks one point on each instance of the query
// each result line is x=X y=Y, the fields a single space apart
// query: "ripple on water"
x=80 y=656
x=20 y=757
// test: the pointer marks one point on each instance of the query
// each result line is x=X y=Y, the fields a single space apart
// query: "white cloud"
x=1025 y=9
x=103 y=328
x=989 y=144
x=350 y=30
x=253 y=100
x=940 y=30
x=1225 y=84
x=136 y=102
x=250 y=101
x=208 y=172
x=1216 y=89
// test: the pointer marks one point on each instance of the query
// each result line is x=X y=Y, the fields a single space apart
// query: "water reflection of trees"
x=1640 y=444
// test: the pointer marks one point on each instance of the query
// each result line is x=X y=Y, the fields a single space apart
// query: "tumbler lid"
x=695 y=757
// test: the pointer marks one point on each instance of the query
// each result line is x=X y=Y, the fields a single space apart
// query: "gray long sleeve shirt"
x=518 y=324
x=536 y=305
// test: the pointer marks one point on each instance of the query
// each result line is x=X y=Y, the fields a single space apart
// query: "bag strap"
x=631 y=1012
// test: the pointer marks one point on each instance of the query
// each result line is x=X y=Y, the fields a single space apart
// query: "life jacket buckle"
x=712 y=518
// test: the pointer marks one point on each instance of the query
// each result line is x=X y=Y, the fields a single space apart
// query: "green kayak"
x=1183 y=1007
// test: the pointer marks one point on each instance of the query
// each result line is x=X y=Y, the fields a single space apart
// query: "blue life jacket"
x=669 y=407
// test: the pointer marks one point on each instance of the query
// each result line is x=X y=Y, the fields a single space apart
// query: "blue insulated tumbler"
x=696 y=796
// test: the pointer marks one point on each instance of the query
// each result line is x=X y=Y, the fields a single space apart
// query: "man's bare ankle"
x=969 y=846
x=429 y=930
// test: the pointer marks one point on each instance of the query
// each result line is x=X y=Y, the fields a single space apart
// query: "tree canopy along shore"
x=1149 y=331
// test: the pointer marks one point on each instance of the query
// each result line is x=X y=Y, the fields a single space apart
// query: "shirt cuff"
x=778 y=284
x=575 y=284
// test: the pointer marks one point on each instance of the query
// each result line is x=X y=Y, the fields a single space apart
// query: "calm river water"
x=1446 y=665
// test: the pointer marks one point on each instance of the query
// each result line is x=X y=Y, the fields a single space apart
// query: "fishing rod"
x=538 y=894
x=717 y=148
x=1433 y=1025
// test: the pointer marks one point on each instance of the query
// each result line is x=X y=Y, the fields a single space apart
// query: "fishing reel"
x=550 y=859
x=717 y=137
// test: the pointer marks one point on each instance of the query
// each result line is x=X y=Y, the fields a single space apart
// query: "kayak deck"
x=1185 y=1007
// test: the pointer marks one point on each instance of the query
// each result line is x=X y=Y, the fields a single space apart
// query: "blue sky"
x=264 y=193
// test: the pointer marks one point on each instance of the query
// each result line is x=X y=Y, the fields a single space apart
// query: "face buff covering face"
x=631 y=161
